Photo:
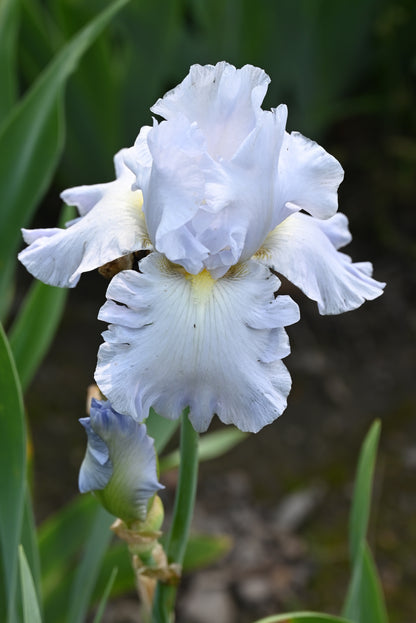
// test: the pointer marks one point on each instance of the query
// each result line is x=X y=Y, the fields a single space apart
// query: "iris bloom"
x=219 y=193
x=120 y=462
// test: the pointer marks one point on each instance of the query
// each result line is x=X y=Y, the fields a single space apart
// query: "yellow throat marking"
x=202 y=285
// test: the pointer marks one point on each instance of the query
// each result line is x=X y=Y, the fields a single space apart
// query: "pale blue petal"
x=178 y=341
x=222 y=100
x=112 y=227
x=304 y=250
x=96 y=468
x=308 y=177
x=202 y=212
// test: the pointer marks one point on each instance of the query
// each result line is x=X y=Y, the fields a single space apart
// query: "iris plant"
x=207 y=206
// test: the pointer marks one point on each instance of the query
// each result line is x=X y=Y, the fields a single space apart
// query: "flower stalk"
x=164 y=602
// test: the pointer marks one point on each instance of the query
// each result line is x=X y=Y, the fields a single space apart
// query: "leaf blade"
x=12 y=467
x=31 y=611
x=34 y=328
x=365 y=600
x=89 y=568
x=106 y=594
x=303 y=617
x=9 y=20
x=361 y=503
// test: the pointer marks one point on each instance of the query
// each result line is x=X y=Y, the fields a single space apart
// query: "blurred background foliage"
x=346 y=69
x=329 y=61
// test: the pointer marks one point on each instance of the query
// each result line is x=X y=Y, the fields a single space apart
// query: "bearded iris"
x=219 y=193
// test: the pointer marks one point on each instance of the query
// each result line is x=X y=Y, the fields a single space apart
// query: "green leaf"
x=31 y=138
x=86 y=575
x=65 y=532
x=365 y=601
x=303 y=617
x=12 y=472
x=30 y=543
x=116 y=556
x=39 y=38
x=7 y=288
x=35 y=327
x=211 y=446
x=361 y=503
x=105 y=596
x=203 y=550
x=68 y=580
x=31 y=612
x=9 y=21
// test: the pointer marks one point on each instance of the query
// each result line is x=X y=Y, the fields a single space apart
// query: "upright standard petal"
x=111 y=225
x=178 y=340
x=209 y=191
x=304 y=250
x=120 y=462
x=224 y=102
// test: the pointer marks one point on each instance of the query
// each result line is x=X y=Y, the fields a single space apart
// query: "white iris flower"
x=220 y=194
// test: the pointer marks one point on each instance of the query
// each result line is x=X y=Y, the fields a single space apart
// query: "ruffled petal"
x=96 y=468
x=222 y=100
x=175 y=190
x=85 y=197
x=139 y=160
x=204 y=213
x=247 y=191
x=128 y=478
x=304 y=250
x=308 y=178
x=178 y=340
x=113 y=227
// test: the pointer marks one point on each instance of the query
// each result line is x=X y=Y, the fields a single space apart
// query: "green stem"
x=182 y=515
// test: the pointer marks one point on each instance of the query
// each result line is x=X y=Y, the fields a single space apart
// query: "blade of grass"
x=9 y=20
x=35 y=328
x=88 y=570
x=66 y=533
x=361 y=503
x=365 y=600
x=303 y=617
x=30 y=543
x=116 y=556
x=31 y=612
x=105 y=596
x=12 y=472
